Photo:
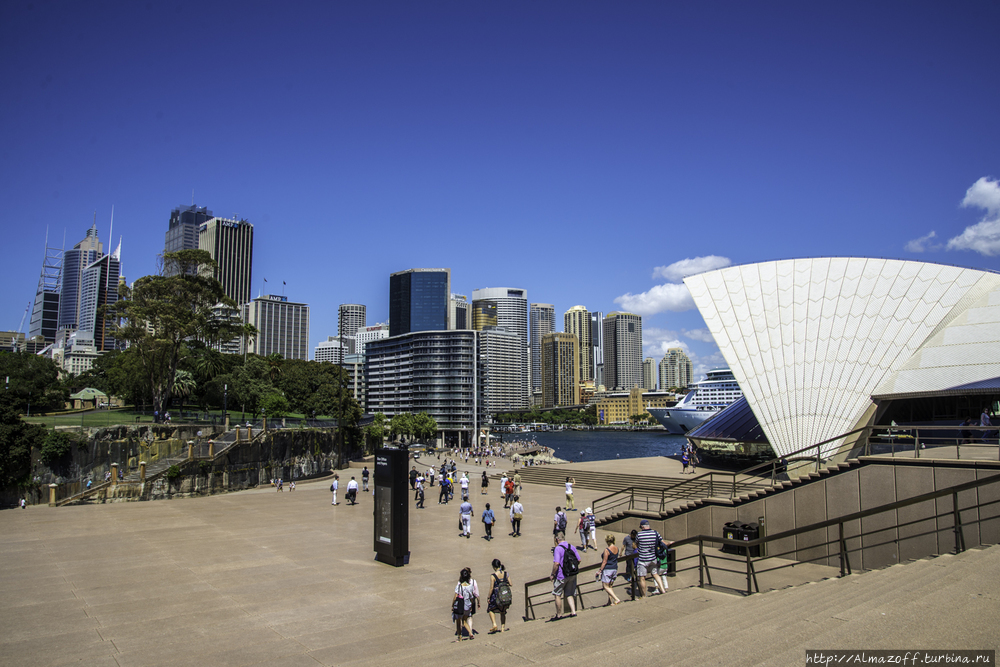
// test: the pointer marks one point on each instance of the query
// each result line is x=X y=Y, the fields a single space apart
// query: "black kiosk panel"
x=392 y=520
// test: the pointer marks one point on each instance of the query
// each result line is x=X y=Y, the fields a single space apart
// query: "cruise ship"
x=706 y=399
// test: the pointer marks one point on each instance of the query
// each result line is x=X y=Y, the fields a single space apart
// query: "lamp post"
x=225 y=406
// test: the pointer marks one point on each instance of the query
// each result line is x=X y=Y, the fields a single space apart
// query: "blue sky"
x=578 y=150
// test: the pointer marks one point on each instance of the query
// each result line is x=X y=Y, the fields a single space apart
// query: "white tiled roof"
x=810 y=340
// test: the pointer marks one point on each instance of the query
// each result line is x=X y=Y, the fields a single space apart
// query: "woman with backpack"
x=499 y=597
x=466 y=596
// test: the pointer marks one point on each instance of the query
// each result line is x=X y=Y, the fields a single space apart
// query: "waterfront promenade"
x=261 y=577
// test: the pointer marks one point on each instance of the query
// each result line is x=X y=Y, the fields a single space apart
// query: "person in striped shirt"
x=648 y=540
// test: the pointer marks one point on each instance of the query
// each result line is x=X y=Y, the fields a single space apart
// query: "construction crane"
x=24 y=316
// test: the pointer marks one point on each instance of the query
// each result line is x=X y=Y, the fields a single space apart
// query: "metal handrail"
x=750 y=568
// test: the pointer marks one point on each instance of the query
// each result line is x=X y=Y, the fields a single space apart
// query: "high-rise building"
x=597 y=346
x=542 y=320
x=74 y=263
x=418 y=300
x=183 y=230
x=45 y=312
x=512 y=314
x=622 y=351
x=230 y=243
x=675 y=370
x=282 y=327
x=334 y=349
x=366 y=335
x=577 y=321
x=560 y=370
x=649 y=374
x=459 y=313
x=98 y=288
x=484 y=314
x=435 y=372
x=350 y=318
x=499 y=353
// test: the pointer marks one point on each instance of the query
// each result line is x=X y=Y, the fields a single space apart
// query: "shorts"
x=648 y=567
x=608 y=576
x=565 y=587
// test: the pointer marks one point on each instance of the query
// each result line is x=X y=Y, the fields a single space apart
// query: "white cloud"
x=678 y=271
x=673 y=296
x=984 y=236
x=657 y=300
x=704 y=335
x=922 y=244
x=656 y=342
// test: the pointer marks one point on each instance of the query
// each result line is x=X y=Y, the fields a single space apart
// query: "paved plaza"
x=287 y=579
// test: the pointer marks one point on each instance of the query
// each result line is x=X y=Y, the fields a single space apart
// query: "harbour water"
x=603 y=445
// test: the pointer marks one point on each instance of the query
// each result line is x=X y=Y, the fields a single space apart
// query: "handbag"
x=517 y=515
x=458 y=606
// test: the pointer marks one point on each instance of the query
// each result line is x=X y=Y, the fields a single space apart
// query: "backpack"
x=661 y=551
x=561 y=524
x=570 y=563
x=504 y=594
x=331 y=488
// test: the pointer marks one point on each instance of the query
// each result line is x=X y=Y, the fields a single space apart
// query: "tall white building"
x=675 y=370
x=499 y=353
x=649 y=374
x=350 y=318
x=512 y=315
x=622 y=351
x=365 y=335
x=334 y=349
x=282 y=327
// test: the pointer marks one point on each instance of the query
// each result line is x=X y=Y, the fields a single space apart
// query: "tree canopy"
x=30 y=380
x=160 y=313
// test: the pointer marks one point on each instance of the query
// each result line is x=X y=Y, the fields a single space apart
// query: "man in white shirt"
x=464 y=483
x=352 y=491
x=334 y=487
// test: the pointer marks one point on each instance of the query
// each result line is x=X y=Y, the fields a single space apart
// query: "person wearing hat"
x=590 y=521
x=648 y=540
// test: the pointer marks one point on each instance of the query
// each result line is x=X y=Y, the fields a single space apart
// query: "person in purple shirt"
x=563 y=584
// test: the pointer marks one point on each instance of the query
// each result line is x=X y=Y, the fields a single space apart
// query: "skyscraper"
x=182 y=232
x=543 y=321
x=622 y=351
x=484 y=314
x=418 y=300
x=74 y=263
x=230 y=243
x=675 y=369
x=499 y=352
x=512 y=314
x=45 y=312
x=459 y=313
x=560 y=370
x=99 y=287
x=282 y=327
x=576 y=321
x=597 y=346
x=350 y=318
x=649 y=374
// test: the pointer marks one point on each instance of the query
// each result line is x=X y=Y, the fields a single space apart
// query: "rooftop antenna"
x=192 y=196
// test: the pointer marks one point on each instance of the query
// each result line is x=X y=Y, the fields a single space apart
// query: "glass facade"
x=418 y=301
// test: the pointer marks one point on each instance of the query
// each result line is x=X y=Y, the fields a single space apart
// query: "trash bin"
x=751 y=531
x=733 y=530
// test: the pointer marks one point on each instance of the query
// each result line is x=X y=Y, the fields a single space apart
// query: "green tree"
x=16 y=440
x=56 y=451
x=159 y=313
x=401 y=425
x=275 y=405
x=251 y=384
x=377 y=429
x=30 y=381
x=424 y=426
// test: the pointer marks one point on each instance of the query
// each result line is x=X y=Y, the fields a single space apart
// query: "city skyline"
x=682 y=138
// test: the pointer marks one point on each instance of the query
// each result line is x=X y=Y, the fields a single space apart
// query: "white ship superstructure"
x=718 y=390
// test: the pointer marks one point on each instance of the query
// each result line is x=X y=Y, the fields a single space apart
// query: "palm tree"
x=274 y=365
x=184 y=383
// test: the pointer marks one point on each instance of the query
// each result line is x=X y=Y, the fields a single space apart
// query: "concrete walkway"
x=285 y=578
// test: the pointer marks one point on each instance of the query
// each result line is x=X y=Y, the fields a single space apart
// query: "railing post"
x=701 y=564
x=527 y=604
x=916 y=443
x=142 y=471
x=845 y=563
x=749 y=588
x=959 y=534
x=631 y=498
x=711 y=485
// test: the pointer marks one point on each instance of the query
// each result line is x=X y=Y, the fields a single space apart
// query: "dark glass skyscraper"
x=418 y=300
x=74 y=263
x=182 y=234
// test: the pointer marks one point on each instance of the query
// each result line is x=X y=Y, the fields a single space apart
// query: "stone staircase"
x=947 y=601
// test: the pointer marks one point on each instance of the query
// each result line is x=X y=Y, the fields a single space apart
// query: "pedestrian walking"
x=631 y=545
x=488 y=520
x=333 y=488
x=590 y=524
x=466 y=592
x=565 y=566
x=649 y=540
x=465 y=518
x=608 y=571
x=352 y=491
x=558 y=527
x=364 y=479
x=516 y=514
x=570 y=481
x=499 y=597
x=485 y=484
